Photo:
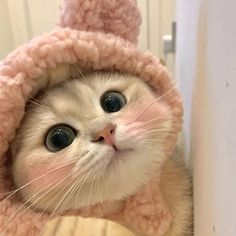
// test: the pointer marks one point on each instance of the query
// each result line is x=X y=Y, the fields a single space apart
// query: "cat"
x=102 y=143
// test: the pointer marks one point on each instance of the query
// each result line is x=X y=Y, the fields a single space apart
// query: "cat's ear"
x=118 y=17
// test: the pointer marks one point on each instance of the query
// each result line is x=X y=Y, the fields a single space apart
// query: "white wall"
x=206 y=70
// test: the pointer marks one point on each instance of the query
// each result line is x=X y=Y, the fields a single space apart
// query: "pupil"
x=60 y=139
x=113 y=103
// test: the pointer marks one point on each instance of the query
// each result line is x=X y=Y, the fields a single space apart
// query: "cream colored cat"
x=102 y=142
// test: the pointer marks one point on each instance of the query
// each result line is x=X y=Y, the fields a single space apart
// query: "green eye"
x=113 y=102
x=59 y=138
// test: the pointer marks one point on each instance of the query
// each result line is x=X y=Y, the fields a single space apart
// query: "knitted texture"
x=99 y=46
x=119 y=17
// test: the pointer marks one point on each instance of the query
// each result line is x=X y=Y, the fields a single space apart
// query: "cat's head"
x=89 y=140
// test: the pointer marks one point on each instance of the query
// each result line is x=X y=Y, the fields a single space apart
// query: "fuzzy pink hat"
x=95 y=34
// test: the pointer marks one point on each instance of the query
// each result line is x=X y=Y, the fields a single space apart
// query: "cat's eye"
x=59 y=138
x=113 y=101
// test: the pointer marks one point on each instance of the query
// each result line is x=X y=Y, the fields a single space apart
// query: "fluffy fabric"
x=95 y=34
x=119 y=17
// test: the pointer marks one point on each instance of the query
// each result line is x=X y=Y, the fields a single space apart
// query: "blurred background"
x=200 y=52
x=22 y=20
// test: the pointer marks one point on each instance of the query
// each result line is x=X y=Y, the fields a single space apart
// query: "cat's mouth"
x=117 y=151
x=120 y=154
x=115 y=148
x=123 y=151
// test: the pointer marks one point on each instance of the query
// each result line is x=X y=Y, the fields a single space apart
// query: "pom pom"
x=119 y=17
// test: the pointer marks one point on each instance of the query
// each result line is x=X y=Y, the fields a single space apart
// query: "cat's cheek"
x=147 y=112
x=44 y=177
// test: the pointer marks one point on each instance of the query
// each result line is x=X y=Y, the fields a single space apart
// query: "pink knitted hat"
x=94 y=34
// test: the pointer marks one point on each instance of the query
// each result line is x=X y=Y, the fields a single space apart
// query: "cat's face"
x=90 y=140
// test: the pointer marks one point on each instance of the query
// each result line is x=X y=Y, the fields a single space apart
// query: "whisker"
x=34 y=180
x=26 y=202
x=77 y=73
x=59 y=202
x=155 y=131
x=156 y=100
x=143 y=124
x=101 y=205
x=79 y=186
x=72 y=191
x=63 y=198
x=58 y=194
x=90 y=192
x=55 y=197
x=37 y=103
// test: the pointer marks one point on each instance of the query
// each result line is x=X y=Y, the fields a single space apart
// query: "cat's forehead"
x=95 y=84
x=103 y=81
x=80 y=97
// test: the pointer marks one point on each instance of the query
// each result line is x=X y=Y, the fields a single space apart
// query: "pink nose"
x=106 y=135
